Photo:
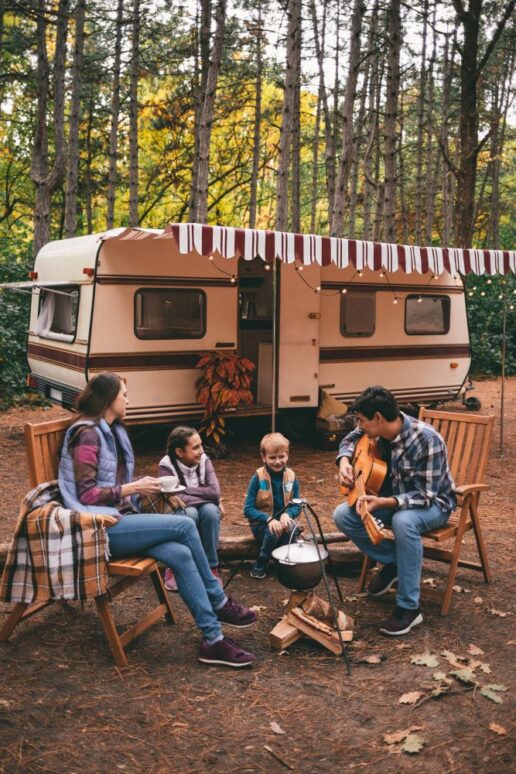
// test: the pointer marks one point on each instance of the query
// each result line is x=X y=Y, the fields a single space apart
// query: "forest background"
x=367 y=119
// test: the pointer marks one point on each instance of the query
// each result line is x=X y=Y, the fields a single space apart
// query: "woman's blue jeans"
x=207 y=520
x=407 y=549
x=174 y=540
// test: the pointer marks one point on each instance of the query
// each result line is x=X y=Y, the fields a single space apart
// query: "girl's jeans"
x=407 y=549
x=207 y=520
x=174 y=540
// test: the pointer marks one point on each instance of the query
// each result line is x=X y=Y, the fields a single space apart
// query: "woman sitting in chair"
x=95 y=475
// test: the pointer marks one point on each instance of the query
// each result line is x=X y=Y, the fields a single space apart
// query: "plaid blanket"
x=55 y=553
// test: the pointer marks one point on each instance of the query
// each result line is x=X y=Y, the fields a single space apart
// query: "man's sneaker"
x=258 y=572
x=216 y=574
x=401 y=621
x=382 y=581
x=226 y=652
x=236 y=615
x=170 y=581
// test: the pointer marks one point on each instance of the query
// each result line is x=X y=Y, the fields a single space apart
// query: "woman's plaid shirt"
x=420 y=473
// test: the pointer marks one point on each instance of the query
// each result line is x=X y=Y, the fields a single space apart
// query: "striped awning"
x=309 y=248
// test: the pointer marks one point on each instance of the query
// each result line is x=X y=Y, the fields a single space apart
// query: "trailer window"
x=162 y=313
x=57 y=315
x=427 y=315
x=357 y=314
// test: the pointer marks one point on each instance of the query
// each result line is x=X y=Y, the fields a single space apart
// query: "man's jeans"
x=406 y=551
x=174 y=540
x=268 y=542
x=207 y=520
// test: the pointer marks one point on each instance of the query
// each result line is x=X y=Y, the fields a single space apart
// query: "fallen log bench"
x=343 y=558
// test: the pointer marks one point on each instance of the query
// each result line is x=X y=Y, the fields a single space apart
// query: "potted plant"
x=224 y=383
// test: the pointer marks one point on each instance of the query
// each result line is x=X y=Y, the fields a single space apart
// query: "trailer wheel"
x=473 y=404
x=298 y=424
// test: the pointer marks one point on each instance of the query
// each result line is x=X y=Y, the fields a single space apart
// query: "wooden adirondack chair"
x=468 y=440
x=43 y=442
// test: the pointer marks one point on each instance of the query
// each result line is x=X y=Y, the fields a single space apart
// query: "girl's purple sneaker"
x=236 y=615
x=226 y=652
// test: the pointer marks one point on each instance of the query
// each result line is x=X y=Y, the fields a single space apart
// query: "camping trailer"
x=329 y=313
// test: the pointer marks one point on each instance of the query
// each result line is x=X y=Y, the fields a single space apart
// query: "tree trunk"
x=257 y=121
x=46 y=180
x=370 y=185
x=433 y=161
x=200 y=211
x=88 y=183
x=329 y=148
x=115 y=114
x=72 y=172
x=296 y=146
x=420 y=182
x=133 y=117
x=448 y=174
x=391 y=109
x=287 y=113
x=468 y=124
x=401 y=181
x=337 y=221
x=201 y=80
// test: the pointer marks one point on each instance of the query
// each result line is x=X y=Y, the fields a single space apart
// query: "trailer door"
x=298 y=340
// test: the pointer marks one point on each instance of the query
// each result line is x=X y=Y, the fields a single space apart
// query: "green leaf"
x=413 y=744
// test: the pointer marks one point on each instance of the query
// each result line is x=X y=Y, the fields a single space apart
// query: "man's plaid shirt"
x=420 y=473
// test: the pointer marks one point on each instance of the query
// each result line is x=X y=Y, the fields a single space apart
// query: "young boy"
x=267 y=507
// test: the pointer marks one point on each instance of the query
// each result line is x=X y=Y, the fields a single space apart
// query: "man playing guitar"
x=417 y=496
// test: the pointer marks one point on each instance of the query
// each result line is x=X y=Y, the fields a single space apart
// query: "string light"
x=267 y=267
x=382 y=275
x=344 y=291
x=395 y=300
x=360 y=273
x=233 y=279
x=420 y=298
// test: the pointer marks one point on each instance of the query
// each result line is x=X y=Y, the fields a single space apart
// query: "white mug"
x=169 y=483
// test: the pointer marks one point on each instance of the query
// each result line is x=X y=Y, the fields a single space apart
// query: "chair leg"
x=482 y=552
x=162 y=595
x=454 y=563
x=20 y=611
x=11 y=621
x=112 y=635
x=366 y=565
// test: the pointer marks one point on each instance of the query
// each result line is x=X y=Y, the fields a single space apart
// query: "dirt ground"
x=65 y=708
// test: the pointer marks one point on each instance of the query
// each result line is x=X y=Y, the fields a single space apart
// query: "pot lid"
x=301 y=552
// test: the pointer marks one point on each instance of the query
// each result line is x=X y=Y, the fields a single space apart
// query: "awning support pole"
x=274 y=407
x=502 y=393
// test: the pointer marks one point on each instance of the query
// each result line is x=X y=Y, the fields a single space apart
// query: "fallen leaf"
x=475 y=651
x=410 y=698
x=179 y=725
x=465 y=676
x=489 y=694
x=461 y=590
x=5 y=703
x=500 y=730
x=441 y=676
x=456 y=661
x=425 y=659
x=350 y=599
x=511 y=642
x=443 y=687
x=403 y=645
x=371 y=660
x=430 y=582
x=486 y=669
x=478 y=600
x=413 y=744
x=276 y=728
x=258 y=608
x=394 y=737
x=497 y=687
x=499 y=613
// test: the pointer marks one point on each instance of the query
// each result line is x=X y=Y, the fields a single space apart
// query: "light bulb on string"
x=318 y=289
x=395 y=300
x=381 y=274
x=483 y=293
x=360 y=273
x=500 y=296
x=267 y=267
x=489 y=281
x=470 y=293
x=344 y=291
x=233 y=279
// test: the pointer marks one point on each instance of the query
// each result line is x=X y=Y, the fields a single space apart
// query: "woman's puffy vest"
x=264 y=498
x=107 y=464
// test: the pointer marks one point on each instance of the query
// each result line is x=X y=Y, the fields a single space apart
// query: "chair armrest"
x=467 y=489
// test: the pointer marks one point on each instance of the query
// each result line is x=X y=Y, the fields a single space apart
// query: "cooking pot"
x=298 y=564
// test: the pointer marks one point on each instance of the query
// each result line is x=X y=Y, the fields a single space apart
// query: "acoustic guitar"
x=369 y=472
